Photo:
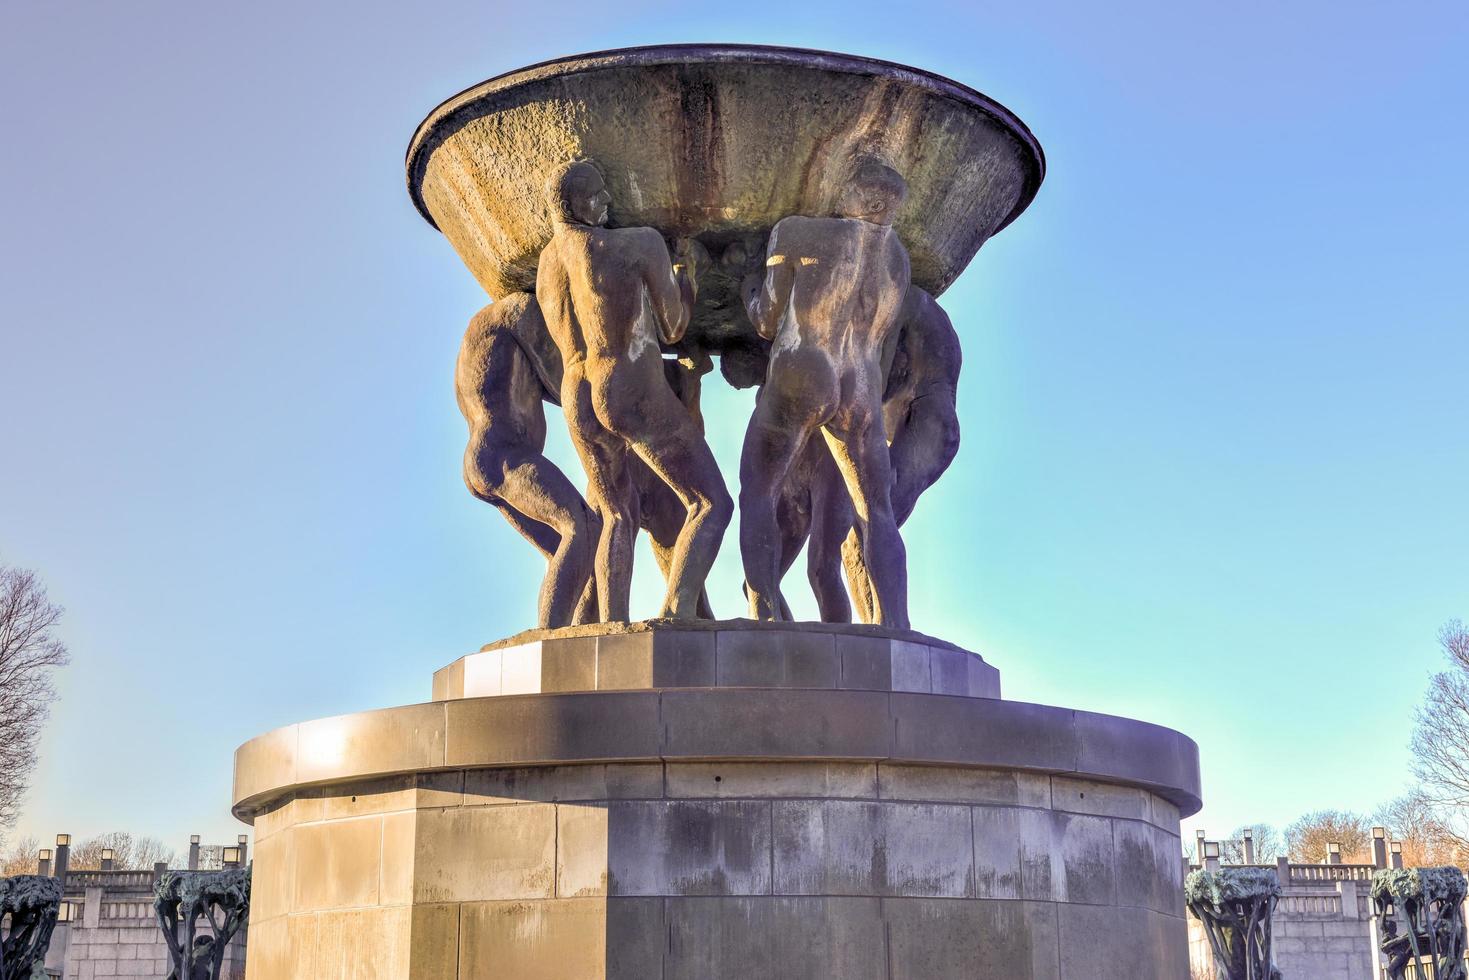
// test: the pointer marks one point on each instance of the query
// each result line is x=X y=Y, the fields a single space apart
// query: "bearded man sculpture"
x=610 y=296
x=829 y=299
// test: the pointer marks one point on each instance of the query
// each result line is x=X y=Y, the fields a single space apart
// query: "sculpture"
x=1236 y=906
x=812 y=504
x=1420 y=918
x=32 y=903
x=920 y=416
x=181 y=899
x=507 y=366
x=609 y=296
x=830 y=298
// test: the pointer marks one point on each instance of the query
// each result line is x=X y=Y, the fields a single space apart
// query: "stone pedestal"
x=718 y=801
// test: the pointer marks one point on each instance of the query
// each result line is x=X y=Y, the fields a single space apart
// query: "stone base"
x=706 y=833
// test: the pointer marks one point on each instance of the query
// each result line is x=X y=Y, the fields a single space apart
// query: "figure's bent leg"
x=831 y=518
x=684 y=461
x=764 y=462
x=862 y=457
x=537 y=488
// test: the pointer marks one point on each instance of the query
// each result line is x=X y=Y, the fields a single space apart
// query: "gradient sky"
x=1215 y=470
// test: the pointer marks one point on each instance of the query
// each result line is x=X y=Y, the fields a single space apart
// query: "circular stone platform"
x=753 y=802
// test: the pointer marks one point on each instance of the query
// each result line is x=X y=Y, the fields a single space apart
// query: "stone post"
x=1379 y=847
x=158 y=868
x=1199 y=848
x=92 y=908
x=1347 y=890
x=194 y=853
x=43 y=863
x=1333 y=853
x=1249 y=846
x=1282 y=871
x=1395 y=854
x=63 y=857
x=1211 y=855
x=107 y=858
x=244 y=841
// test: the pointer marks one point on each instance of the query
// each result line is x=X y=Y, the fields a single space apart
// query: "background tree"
x=129 y=853
x=1268 y=845
x=30 y=652
x=1441 y=736
x=1306 y=839
x=1428 y=840
x=21 y=859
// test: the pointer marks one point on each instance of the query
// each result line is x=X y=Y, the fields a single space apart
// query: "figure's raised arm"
x=767 y=293
x=671 y=293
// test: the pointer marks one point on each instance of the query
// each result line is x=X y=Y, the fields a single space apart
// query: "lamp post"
x=63 y=856
x=107 y=856
x=231 y=857
x=1379 y=847
x=43 y=863
x=244 y=841
x=194 y=853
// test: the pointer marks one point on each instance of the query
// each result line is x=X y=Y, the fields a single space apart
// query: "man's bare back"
x=610 y=297
x=829 y=300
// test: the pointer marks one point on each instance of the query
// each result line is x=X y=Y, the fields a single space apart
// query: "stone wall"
x=694 y=870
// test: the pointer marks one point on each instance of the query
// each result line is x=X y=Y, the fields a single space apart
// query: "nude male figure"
x=829 y=300
x=506 y=367
x=610 y=296
x=920 y=416
x=812 y=505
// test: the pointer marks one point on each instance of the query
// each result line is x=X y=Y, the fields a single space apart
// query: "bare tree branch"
x=30 y=652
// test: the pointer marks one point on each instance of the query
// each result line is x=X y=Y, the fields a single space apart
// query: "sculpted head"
x=578 y=194
x=874 y=192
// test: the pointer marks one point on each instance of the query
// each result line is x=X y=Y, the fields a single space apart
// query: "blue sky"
x=1216 y=433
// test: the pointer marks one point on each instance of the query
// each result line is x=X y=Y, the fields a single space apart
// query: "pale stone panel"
x=399 y=739
x=663 y=658
x=911 y=667
x=984 y=940
x=774 y=939
x=485 y=853
x=775 y=658
x=865 y=663
x=569 y=664
x=829 y=847
x=942 y=784
x=688 y=848
x=771 y=779
x=949 y=671
x=337 y=864
x=574 y=939
x=364 y=944
x=1100 y=799
x=1084 y=862
x=550 y=784
x=272 y=888
x=581 y=850
x=482 y=674
x=1014 y=854
x=398 y=866
x=520 y=669
x=388 y=795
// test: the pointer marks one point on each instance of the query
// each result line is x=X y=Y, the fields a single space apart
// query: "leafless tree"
x=21 y=859
x=30 y=652
x=1428 y=839
x=1268 y=845
x=1306 y=840
x=1441 y=737
x=129 y=853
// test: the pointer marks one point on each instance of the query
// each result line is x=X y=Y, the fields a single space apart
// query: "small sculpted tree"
x=1236 y=907
x=31 y=904
x=1420 y=917
x=181 y=899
